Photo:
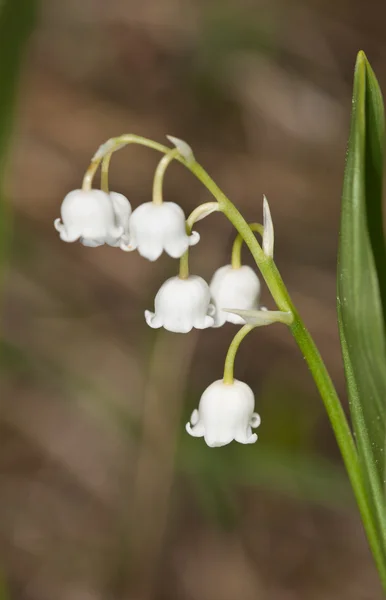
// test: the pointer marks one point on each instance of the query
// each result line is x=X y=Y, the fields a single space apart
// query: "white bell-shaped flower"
x=155 y=228
x=181 y=304
x=234 y=288
x=122 y=211
x=225 y=413
x=93 y=217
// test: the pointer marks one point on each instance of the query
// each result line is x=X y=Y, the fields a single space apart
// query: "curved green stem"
x=114 y=144
x=105 y=173
x=237 y=244
x=199 y=213
x=232 y=351
x=160 y=174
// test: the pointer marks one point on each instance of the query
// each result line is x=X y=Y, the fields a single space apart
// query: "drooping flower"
x=122 y=211
x=181 y=304
x=225 y=413
x=234 y=288
x=94 y=218
x=155 y=228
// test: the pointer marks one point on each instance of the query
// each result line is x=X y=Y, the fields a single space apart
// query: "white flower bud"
x=181 y=304
x=93 y=217
x=158 y=227
x=234 y=288
x=225 y=413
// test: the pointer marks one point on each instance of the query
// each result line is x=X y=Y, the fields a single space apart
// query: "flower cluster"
x=96 y=217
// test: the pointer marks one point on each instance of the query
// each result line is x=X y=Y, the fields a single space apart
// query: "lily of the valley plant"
x=226 y=410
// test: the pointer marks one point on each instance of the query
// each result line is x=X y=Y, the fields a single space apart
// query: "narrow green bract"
x=362 y=284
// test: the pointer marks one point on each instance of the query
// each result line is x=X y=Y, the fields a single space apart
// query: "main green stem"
x=314 y=361
x=303 y=339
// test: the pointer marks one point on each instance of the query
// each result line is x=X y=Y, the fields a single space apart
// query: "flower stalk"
x=232 y=351
x=238 y=243
x=160 y=174
x=199 y=213
x=105 y=172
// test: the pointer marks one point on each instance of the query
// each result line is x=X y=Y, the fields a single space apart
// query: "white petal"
x=126 y=246
x=122 y=242
x=204 y=322
x=67 y=236
x=194 y=417
x=243 y=439
x=58 y=224
x=255 y=420
x=216 y=442
x=194 y=238
x=211 y=310
x=219 y=318
x=196 y=431
x=150 y=249
x=176 y=325
x=131 y=246
x=91 y=243
x=152 y=320
x=64 y=236
x=176 y=247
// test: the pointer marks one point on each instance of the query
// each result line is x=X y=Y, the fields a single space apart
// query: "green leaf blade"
x=362 y=285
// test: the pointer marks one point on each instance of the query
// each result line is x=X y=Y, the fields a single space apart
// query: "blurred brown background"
x=103 y=495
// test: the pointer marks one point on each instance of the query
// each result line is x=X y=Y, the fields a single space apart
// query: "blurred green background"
x=103 y=496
